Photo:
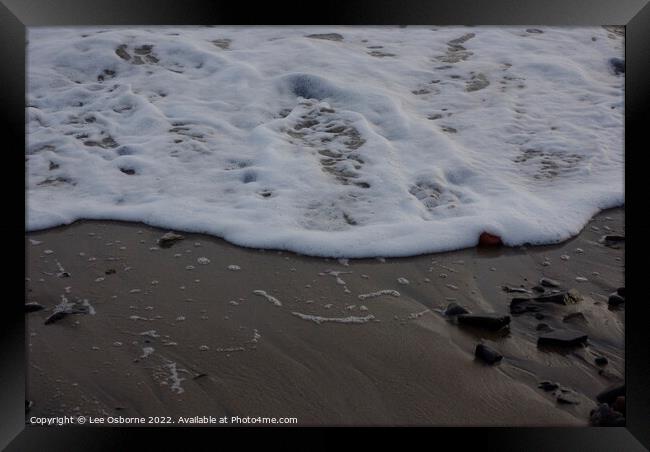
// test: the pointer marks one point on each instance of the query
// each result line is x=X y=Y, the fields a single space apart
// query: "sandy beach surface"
x=207 y=328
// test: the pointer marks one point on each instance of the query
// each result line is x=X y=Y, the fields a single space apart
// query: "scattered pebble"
x=203 y=260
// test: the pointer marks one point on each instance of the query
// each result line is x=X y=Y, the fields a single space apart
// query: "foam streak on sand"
x=379 y=293
x=270 y=298
x=318 y=319
x=420 y=138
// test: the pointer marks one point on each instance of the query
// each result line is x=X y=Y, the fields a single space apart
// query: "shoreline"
x=287 y=334
x=602 y=212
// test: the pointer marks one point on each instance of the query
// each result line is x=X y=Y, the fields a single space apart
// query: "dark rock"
x=520 y=305
x=326 y=36
x=486 y=321
x=604 y=416
x=33 y=307
x=543 y=327
x=575 y=317
x=517 y=309
x=548 y=282
x=523 y=308
x=609 y=395
x=621 y=291
x=548 y=386
x=487 y=354
x=487 y=239
x=515 y=289
x=610 y=240
x=539 y=289
x=539 y=316
x=619 y=404
x=601 y=361
x=615 y=299
x=56 y=317
x=562 y=298
x=567 y=398
x=617 y=65
x=534 y=30
x=455 y=309
x=562 y=338
x=169 y=239
x=518 y=301
x=110 y=271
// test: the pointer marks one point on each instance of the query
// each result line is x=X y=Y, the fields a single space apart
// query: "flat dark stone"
x=567 y=398
x=33 y=307
x=515 y=289
x=548 y=386
x=615 y=299
x=486 y=321
x=612 y=239
x=326 y=36
x=539 y=289
x=487 y=354
x=543 y=327
x=523 y=308
x=562 y=298
x=56 y=317
x=563 y=338
x=609 y=395
x=548 y=282
x=455 y=309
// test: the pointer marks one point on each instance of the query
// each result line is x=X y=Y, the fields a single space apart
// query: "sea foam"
x=379 y=142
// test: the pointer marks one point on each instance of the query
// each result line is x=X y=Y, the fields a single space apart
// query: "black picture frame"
x=16 y=15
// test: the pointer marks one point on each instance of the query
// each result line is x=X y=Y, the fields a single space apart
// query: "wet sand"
x=166 y=333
